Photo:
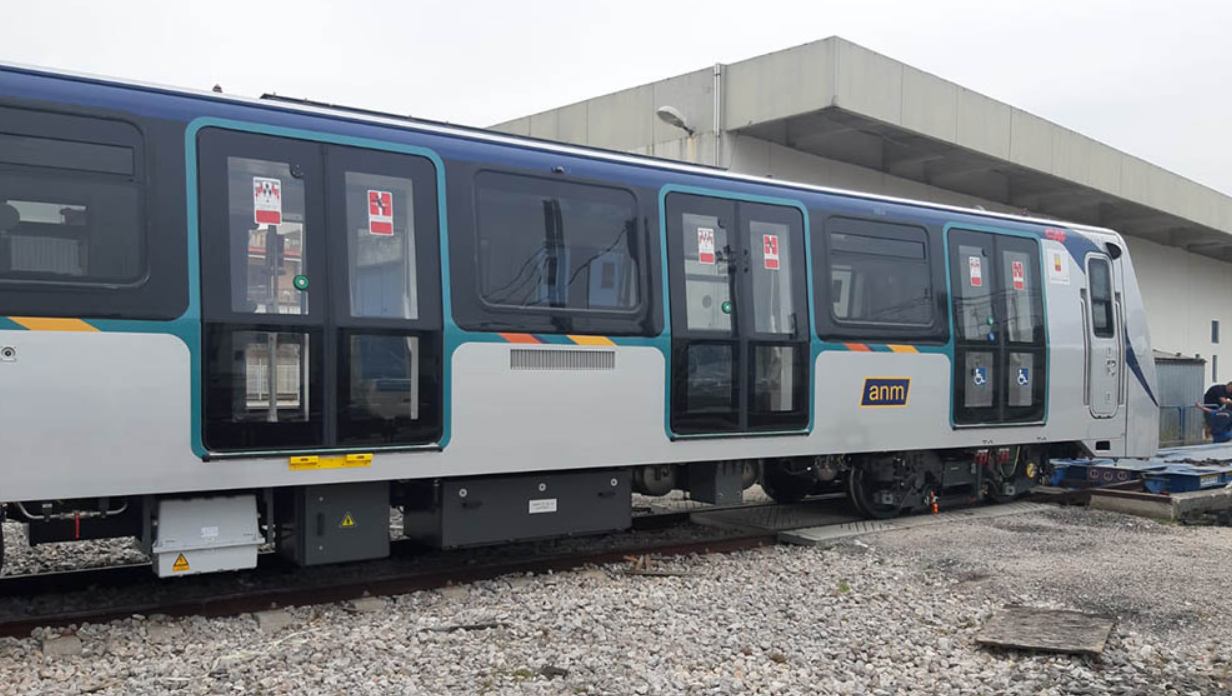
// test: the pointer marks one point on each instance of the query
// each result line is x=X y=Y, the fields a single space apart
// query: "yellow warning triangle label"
x=347 y=521
x=180 y=565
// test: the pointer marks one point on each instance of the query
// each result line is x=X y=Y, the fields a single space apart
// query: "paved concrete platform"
x=814 y=536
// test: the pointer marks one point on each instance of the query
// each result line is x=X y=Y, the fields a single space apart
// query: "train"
x=230 y=324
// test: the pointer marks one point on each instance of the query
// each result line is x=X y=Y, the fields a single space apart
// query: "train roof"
x=305 y=106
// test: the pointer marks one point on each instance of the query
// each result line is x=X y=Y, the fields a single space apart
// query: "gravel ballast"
x=893 y=613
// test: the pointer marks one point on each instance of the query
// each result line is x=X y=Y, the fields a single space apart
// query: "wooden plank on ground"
x=1051 y=630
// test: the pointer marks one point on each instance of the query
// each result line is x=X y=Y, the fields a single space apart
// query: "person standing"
x=1218 y=395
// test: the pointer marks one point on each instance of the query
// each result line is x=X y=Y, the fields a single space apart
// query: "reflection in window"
x=771 y=270
x=709 y=385
x=878 y=280
x=65 y=230
x=1022 y=313
x=556 y=245
x=266 y=206
x=973 y=294
x=381 y=246
x=275 y=390
x=707 y=274
x=773 y=379
x=379 y=390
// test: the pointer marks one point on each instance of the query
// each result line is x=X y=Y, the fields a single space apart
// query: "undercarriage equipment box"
x=205 y=535
x=333 y=523
x=489 y=510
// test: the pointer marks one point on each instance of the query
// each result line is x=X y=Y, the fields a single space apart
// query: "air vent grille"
x=557 y=359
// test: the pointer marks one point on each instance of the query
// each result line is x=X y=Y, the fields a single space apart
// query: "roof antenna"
x=218 y=88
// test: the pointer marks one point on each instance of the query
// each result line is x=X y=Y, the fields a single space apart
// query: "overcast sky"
x=1151 y=78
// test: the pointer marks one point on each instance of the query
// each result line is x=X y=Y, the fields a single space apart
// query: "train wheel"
x=861 y=490
x=786 y=481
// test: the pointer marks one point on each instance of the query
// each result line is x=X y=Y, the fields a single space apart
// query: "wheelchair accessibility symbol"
x=980 y=376
x=1024 y=376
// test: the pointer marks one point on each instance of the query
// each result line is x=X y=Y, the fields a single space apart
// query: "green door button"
x=301 y=282
x=726 y=306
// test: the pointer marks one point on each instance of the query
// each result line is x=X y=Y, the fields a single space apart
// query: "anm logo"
x=885 y=391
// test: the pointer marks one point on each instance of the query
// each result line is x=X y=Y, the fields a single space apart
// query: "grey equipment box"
x=490 y=510
x=205 y=535
x=717 y=483
x=333 y=523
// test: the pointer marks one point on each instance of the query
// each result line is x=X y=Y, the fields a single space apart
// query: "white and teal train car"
x=226 y=321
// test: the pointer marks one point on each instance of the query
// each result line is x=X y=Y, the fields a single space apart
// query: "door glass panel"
x=774 y=374
x=973 y=300
x=707 y=274
x=381 y=246
x=379 y=388
x=1018 y=280
x=266 y=212
x=1021 y=377
x=980 y=378
x=709 y=383
x=770 y=245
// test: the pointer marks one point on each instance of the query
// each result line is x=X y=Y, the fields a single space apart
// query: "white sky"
x=1151 y=78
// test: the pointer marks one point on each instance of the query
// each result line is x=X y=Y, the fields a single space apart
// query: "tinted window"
x=881 y=280
x=64 y=214
x=1101 y=298
x=554 y=245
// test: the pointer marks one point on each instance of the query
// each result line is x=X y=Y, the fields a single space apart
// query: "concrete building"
x=837 y=114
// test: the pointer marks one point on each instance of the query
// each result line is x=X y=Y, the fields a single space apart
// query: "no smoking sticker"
x=705 y=245
x=770 y=251
x=266 y=200
x=975 y=271
x=380 y=213
x=1020 y=281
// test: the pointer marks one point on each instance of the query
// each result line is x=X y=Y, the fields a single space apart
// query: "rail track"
x=97 y=595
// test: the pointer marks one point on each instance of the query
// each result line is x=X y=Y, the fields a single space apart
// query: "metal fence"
x=1180 y=425
x=1181 y=383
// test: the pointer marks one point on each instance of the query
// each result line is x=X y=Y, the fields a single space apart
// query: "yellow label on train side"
x=881 y=392
x=313 y=462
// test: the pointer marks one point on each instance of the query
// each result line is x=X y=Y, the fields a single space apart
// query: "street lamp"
x=672 y=117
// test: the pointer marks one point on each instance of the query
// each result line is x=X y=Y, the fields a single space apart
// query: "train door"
x=740 y=333
x=1000 y=343
x=1104 y=345
x=320 y=295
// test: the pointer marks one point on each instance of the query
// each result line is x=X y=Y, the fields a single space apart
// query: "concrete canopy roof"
x=839 y=101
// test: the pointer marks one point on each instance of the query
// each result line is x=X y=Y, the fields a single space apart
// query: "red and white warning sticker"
x=1020 y=280
x=770 y=251
x=266 y=200
x=705 y=245
x=380 y=213
x=975 y=271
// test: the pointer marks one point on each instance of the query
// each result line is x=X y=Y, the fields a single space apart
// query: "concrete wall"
x=1184 y=292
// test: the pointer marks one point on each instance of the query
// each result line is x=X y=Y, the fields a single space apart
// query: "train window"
x=266 y=205
x=262 y=389
x=772 y=277
x=1101 y=298
x=555 y=245
x=879 y=280
x=71 y=228
x=707 y=273
x=1024 y=320
x=76 y=208
x=380 y=214
x=380 y=400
